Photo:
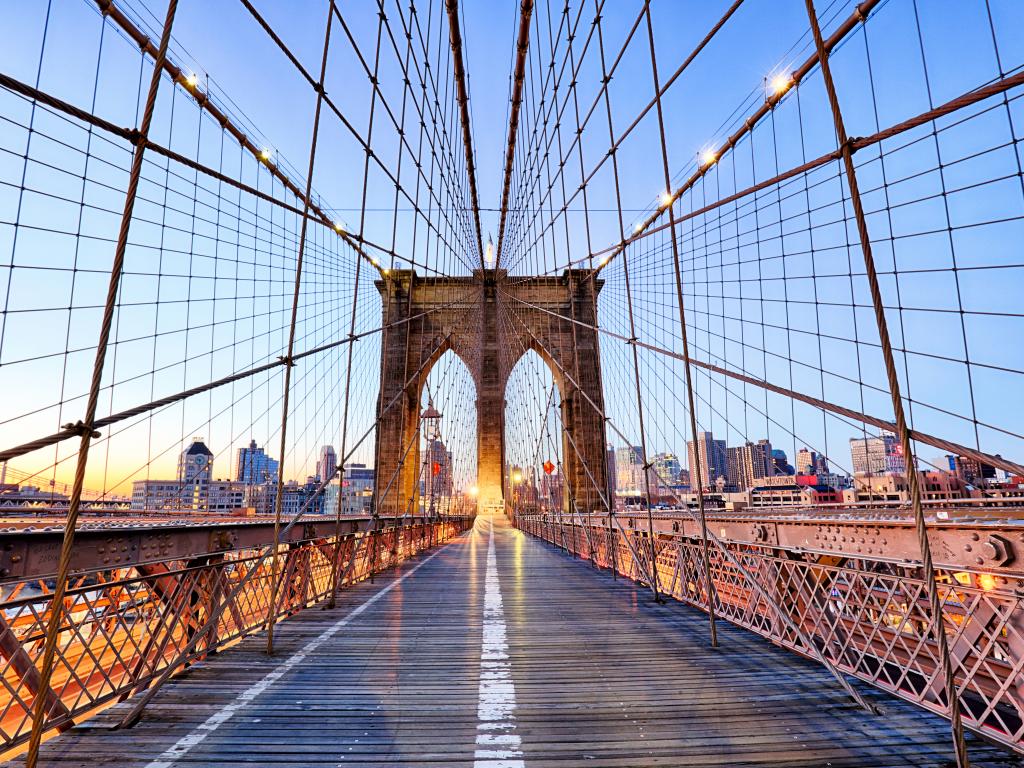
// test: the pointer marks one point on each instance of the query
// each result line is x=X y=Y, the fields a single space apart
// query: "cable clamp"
x=81 y=429
x=287 y=360
x=850 y=144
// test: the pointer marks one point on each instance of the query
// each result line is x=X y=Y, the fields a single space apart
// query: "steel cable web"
x=725 y=301
x=211 y=312
x=787 y=374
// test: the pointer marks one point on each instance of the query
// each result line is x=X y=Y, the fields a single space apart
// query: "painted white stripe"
x=497 y=744
x=185 y=744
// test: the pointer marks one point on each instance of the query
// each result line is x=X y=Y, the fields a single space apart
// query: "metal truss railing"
x=125 y=626
x=868 y=617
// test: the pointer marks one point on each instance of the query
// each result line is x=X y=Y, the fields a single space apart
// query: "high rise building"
x=757 y=461
x=437 y=461
x=735 y=467
x=665 y=469
x=254 y=466
x=971 y=470
x=806 y=462
x=780 y=463
x=629 y=471
x=327 y=465
x=877 y=455
x=610 y=462
x=195 y=463
x=709 y=460
x=195 y=471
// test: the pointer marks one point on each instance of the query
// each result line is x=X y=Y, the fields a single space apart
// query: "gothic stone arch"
x=426 y=316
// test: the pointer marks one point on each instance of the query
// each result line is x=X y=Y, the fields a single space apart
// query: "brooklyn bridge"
x=498 y=384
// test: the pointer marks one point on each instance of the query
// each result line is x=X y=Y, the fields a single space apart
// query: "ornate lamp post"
x=430 y=424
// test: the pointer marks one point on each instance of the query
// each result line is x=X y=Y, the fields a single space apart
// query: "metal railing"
x=866 y=616
x=125 y=626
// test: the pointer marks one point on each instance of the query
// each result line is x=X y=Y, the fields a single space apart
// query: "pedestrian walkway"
x=500 y=651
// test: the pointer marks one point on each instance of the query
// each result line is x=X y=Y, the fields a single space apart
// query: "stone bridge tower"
x=490 y=320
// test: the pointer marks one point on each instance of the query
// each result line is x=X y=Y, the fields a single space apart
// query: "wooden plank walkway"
x=502 y=652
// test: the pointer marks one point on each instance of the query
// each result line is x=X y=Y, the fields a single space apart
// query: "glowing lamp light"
x=666 y=199
x=517 y=476
x=781 y=83
x=708 y=157
x=339 y=227
x=638 y=228
x=489 y=253
x=387 y=271
x=265 y=154
x=987 y=582
x=474 y=491
x=192 y=80
x=604 y=261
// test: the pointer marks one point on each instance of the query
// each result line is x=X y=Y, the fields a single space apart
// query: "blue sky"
x=730 y=269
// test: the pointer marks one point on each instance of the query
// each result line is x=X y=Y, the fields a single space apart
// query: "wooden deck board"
x=602 y=677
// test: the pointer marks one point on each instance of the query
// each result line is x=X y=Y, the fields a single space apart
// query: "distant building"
x=793 y=494
x=327 y=465
x=438 y=479
x=13 y=495
x=610 y=469
x=735 y=464
x=195 y=463
x=780 y=463
x=892 y=487
x=629 y=471
x=225 y=496
x=191 y=491
x=263 y=497
x=552 y=491
x=665 y=469
x=877 y=455
x=809 y=462
x=358 y=491
x=758 y=461
x=157 y=495
x=359 y=478
x=707 y=460
x=254 y=466
x=971 y=470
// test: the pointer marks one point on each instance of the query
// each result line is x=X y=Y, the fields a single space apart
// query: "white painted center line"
x=186 y=743
x=497 y=743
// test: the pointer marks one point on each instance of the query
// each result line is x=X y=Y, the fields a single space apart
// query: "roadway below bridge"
x=500 y=651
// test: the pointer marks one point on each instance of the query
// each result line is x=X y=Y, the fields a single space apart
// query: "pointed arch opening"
x=534 y=436
x=445 y=451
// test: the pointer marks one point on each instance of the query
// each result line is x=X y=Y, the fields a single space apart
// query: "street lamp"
x=430 y=421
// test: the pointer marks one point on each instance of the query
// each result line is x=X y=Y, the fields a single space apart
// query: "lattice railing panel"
x=867 y=617
x=123 y=627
